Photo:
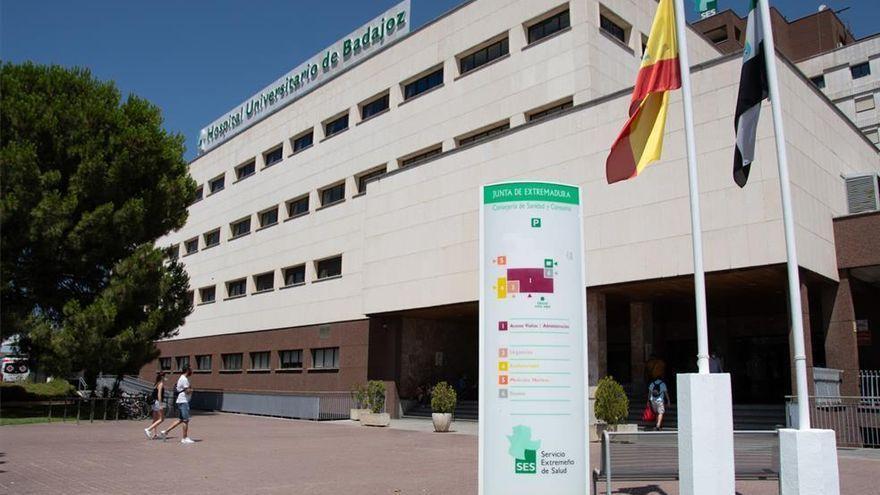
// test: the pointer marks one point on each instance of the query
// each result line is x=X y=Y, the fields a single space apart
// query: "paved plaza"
x=256 y=455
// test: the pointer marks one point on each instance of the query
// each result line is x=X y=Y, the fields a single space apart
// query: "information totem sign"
x=533 y=341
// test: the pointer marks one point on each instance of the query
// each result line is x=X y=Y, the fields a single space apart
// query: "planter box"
x=442 y=421
x=375 y=419
x=355 y=414
x=600 y=428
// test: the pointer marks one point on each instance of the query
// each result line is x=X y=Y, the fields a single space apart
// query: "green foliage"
x=358 y=395
x=20 y=391
x=443 y=398
x=375 y=396
x=612 y=405
x=89 y=182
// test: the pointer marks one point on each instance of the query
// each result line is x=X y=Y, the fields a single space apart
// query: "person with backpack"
x=183 y=393
x=658 y=399
x=157 y=404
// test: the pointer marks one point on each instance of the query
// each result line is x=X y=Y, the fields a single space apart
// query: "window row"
x=550 y=23
x=322 y=358
x=291 y=276
x=857 y=71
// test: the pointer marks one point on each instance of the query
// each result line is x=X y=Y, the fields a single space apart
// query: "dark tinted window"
x=231 y=362
x=200 y=192
x=325 y=358
x=236 y=288
x=331 y=267
x=362 y=180
x=549 y=111
x=207 y=294
x=203 y=362
x=266 y=281
x=298 y=206
x=165 y=364
x=291 y=359
x=818 y=81
x=260 y=360
x=241 y=227
x=619 y=32
x=475 y=138
x=336 y=126
x=303 y=142
x=376 y=106
x=420 y=157
x=423 y=84
x=860 y=70
x=295 y=275
x=217 y=184
x=333 y=194
x=269 y=217
x=274 y=156
x=483 y=56
x=246 y=170
x=191 y=245
x=173 y=252
x=212 y=238
x=548 y=26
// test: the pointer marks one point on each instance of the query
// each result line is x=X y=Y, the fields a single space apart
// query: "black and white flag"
x=752 y=90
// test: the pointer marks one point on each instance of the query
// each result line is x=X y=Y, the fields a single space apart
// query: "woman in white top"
x=157 y=404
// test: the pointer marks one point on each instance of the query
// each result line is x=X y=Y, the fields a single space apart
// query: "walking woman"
x=157 y=404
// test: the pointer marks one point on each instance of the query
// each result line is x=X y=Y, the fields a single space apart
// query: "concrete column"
x=808 y=345
x=705 y=434
x=597 y=336
x=641 y=323
x=841 y=346
x=808 y=462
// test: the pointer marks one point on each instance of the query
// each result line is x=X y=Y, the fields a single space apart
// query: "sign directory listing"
x=361 y=43
x=533 y=343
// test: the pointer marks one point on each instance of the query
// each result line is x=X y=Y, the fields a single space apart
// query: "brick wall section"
x=351 y=337
x=856 y=238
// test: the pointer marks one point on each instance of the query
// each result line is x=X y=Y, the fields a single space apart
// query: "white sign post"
x=533 y=340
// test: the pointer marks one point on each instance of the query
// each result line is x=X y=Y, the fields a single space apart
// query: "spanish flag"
x=641 y=140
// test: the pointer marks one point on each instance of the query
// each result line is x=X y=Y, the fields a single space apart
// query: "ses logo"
x=523 y=450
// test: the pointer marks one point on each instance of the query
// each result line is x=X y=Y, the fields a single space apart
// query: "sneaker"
x=162 y=435
x=147 y=433
x=187 y=440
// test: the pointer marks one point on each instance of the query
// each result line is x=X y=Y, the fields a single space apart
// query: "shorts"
x=183 y=411
x=658 y=407
x=158 y=406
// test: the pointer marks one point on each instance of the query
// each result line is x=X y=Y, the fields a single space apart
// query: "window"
x=374 y=107
x=860 y=70
x=363 y=179
x=260 y=360
x=236 y=288
x=191 y=245
x=547 y=111
x=264 y=281
x=421 y=156
x=203 y=362
x=717 y=35
x=173 y=251
x=246 y=170
x=336 y=126
x=333 y=194
x=217 y=184
x=423 y=84
x=644 y=45
x=165 y=364
x=207 y=294
x=290 y=359
x=269 y=217
x=483 y=56
x=873 y=135
x=482 y=135
x=273 y=156
x=200 y=191
x=231 y=362
x=864 y=103
x=181 y=362
x=328 y=268
x=548 y=26
x=618 y=29
x=737 y=33
x=325 y=358
x=302 y=142
x=818 y=81
x=212 y=238
x=297 y=207
x=295 y=275
x=241 y=227
x=191 y=297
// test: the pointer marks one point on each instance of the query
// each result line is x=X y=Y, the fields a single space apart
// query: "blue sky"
x=198 y=59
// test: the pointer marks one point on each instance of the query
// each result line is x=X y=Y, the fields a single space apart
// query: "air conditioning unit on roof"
x=862 y=192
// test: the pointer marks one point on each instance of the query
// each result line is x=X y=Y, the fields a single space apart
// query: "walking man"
x=183 y=390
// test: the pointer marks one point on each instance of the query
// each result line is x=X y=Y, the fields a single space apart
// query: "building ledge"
x=334 y=277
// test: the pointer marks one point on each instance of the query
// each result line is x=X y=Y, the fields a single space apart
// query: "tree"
x=89 y=182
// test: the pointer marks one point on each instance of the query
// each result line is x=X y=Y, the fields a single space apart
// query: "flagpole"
x=696 y=228
x=794 y=284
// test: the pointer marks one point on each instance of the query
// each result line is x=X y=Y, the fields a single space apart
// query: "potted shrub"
x=612 y=405
x=358 y=401
x=375 y=403
x=443 y=399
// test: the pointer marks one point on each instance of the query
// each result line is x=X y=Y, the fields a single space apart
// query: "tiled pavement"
x=245 y=455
